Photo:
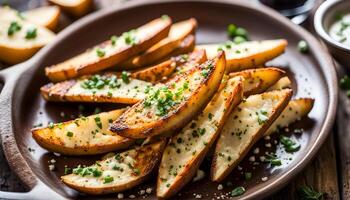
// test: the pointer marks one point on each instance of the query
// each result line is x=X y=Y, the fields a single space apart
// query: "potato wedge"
x=283 y=83
x=178 y=32
x=165 y=69
x=186 y=46
x=111 y=52
x=248 y=54
x=245 y=125
x=82 y=136
x=187 y=149
x=116 y=172
x=173 y=105
x=258 y=80
x=76 y=8
x=46 y=16
x=20 y=40
x=295 y=110
x=108 y=87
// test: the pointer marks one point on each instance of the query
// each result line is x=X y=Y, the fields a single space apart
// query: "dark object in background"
x=296 y=10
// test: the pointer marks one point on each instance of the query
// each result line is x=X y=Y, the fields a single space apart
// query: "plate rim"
x=325 y=64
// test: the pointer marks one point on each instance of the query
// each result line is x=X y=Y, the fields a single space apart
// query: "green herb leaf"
x=239 y=39
x=125 y=77
x=308 y=193
x=13 y=28
x=303 y=47
x=100 y=52
x=238 y=191
x=108 y=179
x=345 y=82
x=114 y=40
x=231 y=30
x=70 y=134
x=31 y=33
x=289 y=145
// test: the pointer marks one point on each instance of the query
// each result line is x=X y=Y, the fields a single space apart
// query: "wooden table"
x=329 y=172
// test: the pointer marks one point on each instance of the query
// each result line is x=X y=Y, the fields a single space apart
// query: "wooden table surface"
x=329 y=172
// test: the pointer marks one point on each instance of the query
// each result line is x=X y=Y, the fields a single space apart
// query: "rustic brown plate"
x=22 y=106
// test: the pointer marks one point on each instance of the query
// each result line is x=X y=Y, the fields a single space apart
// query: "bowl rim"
x=319 y=27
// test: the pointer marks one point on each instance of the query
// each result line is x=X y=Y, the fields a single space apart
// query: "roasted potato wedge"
x=248 y=54
x=295 y=110
x=186 y=46
x=111 y=52
x=245 y=125
x=283 y=83
x=174 y=104
x=82 y=136
x=178 y=32
x=116 y=172
x=109 y=87
x=165 y=69
x=258 y=80
x=20 y=40
x=46 y=16
x=187 y=149
x=76 y=8
x=155 y=73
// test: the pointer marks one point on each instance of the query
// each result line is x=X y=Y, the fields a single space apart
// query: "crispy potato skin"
x=286 y=98
x=62 y=71
x=163 y=47
x=183 y=113
x=257 y=59
x=60 y=92
x=52 y=142
x=166 y=69
x=259 y=80
x=155 y=73
x=191 y=167
x=147 y=159
x=186 y=46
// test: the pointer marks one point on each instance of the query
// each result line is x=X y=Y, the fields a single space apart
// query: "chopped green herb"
x=13 y=28
x=98 y=122
x=262 y=116
x=238 y=191
x=248 y=176
x=289 y=145
x=210 y=116
x=241 y=32
x=87 y=171
x=100 y=52
x=114 y=40
x=308 y=193
x=165 y=17
x=303 y=47
x=108 y=179
x=125 y=77
x=345 y=82
x=273 y=160
x=130 y=37
x=118 y=157
x=31 y=33
x=51 y=125
x=338 y=16
x=99 y=82
x=70 y=134
x=67 y=170
x=231 y=30
x=239 y=39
